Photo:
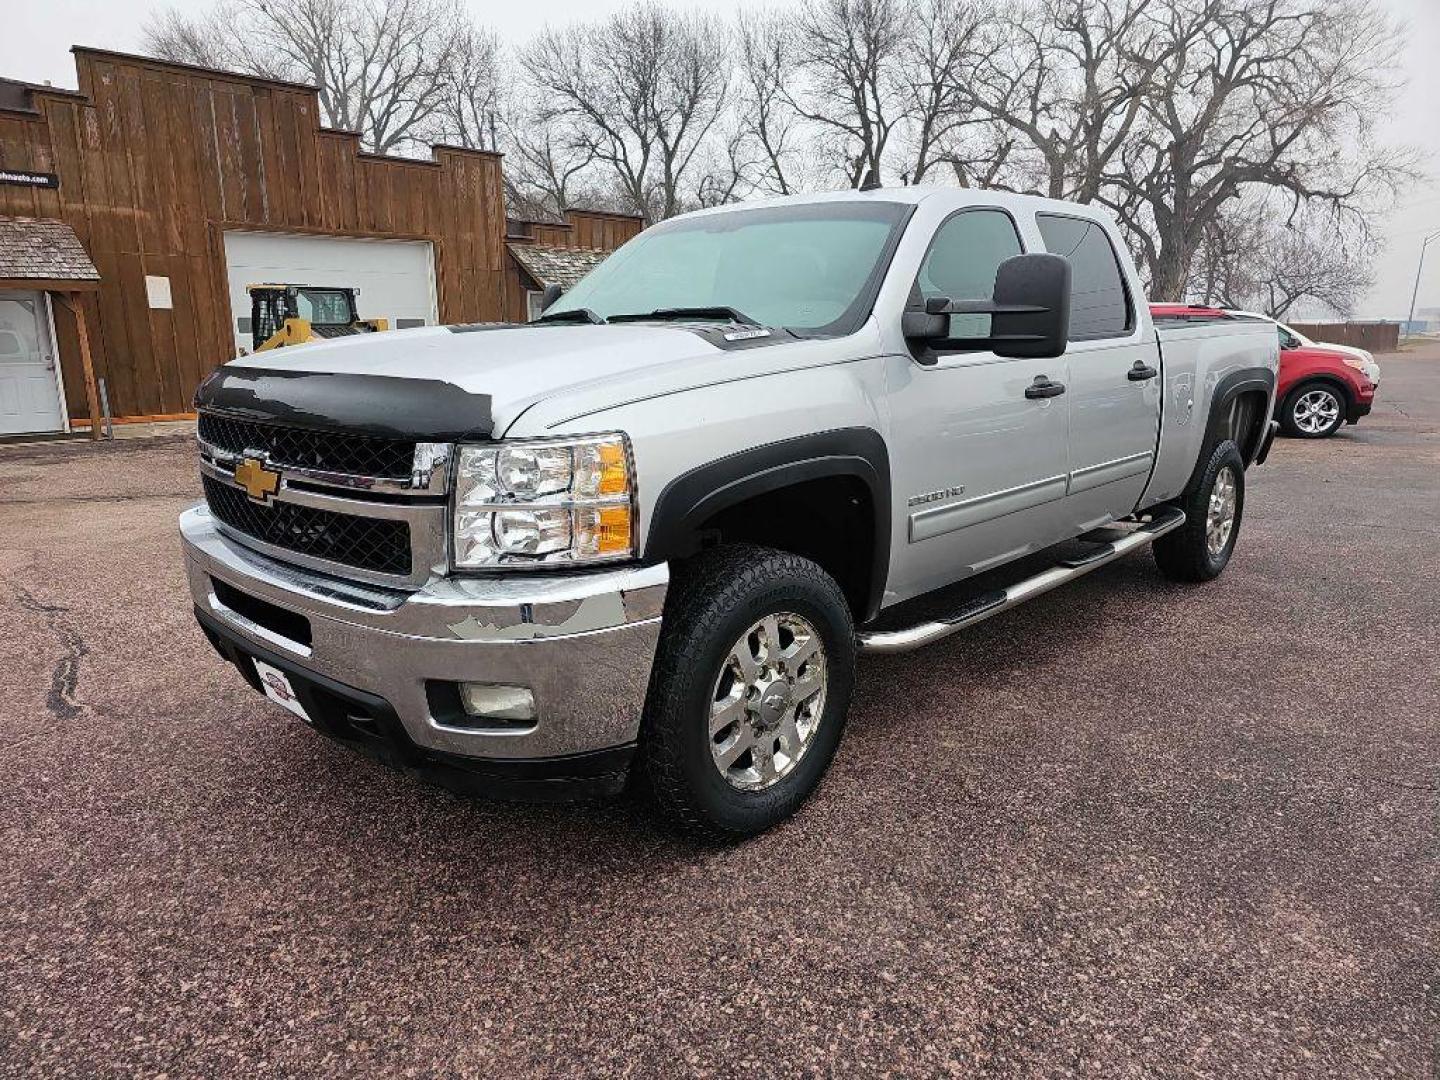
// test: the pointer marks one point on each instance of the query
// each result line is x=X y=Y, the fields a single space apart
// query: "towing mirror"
x=552 y=293
x=1029 y=312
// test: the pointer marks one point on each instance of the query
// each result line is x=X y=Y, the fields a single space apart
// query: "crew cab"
x=1321 y=387
x=645 y=537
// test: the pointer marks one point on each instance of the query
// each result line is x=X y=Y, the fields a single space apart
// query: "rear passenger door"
x=1114 y=383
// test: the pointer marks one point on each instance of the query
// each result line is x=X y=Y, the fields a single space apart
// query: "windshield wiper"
x=717 y=311
x=579 y=314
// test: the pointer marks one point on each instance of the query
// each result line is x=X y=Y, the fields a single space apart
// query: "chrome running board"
x=979 y=608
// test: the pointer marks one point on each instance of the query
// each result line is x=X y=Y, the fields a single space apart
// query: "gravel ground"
x=1133 y=829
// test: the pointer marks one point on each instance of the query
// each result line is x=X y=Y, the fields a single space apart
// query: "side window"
x=961 y=263
x=1099 y=301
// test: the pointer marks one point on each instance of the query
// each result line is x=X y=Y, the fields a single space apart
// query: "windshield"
x=323 y=306
x=812 y=268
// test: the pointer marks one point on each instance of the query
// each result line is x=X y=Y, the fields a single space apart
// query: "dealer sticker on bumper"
x=278 y=689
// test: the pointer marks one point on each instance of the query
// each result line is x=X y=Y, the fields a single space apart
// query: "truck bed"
x=1195 y=359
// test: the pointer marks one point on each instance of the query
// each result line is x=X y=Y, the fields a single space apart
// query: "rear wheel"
x=751 y=686
x=1313 y=411
x=1213 y=504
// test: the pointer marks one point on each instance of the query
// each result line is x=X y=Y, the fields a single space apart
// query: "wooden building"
x=560 y=253
x=184 y=184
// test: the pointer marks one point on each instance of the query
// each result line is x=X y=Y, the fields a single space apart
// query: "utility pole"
x=1418 y=271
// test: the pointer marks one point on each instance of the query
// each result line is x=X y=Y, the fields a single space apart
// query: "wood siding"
x=156 y=161
x=581 y=229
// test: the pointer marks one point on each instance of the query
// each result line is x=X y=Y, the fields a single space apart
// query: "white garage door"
x=396 y=278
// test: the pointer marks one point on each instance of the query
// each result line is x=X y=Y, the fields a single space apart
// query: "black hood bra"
x=376 y=405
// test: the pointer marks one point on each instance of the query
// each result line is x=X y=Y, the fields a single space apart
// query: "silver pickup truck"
x=644 y=538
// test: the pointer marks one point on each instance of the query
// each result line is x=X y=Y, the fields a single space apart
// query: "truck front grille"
x=365 y=543
x=357 y=455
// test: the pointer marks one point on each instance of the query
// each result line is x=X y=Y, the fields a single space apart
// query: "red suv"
x=1320 y=388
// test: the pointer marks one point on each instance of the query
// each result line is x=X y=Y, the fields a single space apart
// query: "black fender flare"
x=696 y=496
x=1246 y=380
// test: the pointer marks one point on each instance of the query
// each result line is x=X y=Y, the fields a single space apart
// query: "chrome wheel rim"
x=1220 y=518
x=767 y=701
x=1316 y=411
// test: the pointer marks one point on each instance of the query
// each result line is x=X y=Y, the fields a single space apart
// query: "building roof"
x=556 y=265
x=39 y=249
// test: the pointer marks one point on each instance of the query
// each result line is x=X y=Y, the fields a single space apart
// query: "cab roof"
x=914 y=195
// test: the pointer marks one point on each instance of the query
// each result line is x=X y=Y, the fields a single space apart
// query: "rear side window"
x=1099 y=301
x=962 y=261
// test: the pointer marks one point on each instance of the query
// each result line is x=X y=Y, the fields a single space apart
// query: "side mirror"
x=552 y=293
x=1029 y=310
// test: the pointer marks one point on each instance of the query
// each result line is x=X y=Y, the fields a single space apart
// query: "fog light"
x=497 y=702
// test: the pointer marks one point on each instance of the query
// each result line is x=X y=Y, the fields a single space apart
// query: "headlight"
x=542 y=503
x=1356 y=362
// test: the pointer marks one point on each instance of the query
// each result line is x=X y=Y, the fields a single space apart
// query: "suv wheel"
x=1213 y=505
x=751 y=685
x=1313 y=411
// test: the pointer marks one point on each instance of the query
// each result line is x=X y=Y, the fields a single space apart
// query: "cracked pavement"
x=1131 y=829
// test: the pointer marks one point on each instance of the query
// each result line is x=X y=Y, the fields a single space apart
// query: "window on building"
x=533 y=310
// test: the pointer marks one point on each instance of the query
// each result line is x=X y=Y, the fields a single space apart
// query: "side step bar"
x=979 y=608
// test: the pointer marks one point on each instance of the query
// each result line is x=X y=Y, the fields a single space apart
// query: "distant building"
x=134 y=211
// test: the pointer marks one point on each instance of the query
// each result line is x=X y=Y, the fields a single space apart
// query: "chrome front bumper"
x=582 y=642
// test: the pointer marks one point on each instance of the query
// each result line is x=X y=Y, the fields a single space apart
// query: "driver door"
x=978 y=459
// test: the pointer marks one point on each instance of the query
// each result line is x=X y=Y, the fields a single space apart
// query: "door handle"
x=1141 y=371
x=1042 y=387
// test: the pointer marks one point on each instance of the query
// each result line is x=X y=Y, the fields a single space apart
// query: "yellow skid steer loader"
x=283 y=315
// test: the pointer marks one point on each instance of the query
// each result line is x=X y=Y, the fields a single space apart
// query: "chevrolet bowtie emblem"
x=258 y=481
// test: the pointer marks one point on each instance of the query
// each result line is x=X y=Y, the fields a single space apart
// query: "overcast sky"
x=38 y=35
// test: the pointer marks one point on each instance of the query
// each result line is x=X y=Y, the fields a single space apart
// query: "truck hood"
x=383 y=383
x=507 y=363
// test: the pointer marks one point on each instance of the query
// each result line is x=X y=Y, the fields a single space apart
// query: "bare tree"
x=1261 y=257
x=642 y=89
x=201 y=40
x=766 y=117
x=1062 y=84
x=547 y=168
x=848 y=53
x=940 y=47
x=1273 y=93
x=382 y=68
x=468 y=113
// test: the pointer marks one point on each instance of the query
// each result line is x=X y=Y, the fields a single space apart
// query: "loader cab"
x=292 y=314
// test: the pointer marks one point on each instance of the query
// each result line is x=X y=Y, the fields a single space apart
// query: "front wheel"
x=1213 y=504
x=751 y=685
x=1313 y=411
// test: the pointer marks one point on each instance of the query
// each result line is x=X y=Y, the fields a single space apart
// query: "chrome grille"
x=372 y=544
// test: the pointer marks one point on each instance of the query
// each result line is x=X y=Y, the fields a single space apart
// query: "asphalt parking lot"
x=1133 y=829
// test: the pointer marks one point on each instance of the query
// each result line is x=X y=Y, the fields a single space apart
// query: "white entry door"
x=29 y=382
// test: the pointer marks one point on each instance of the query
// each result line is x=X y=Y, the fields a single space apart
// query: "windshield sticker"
x=746 y=335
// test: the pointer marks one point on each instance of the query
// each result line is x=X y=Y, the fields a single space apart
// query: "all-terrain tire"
x=714 y=599
x=1190 y=552
x=1313 y=410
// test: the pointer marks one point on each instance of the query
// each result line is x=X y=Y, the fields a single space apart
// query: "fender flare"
x=696 y=496
x=1246 y=380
